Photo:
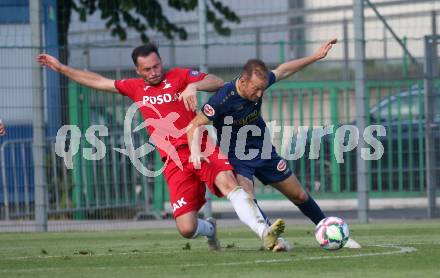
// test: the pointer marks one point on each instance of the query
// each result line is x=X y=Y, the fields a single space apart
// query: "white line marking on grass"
x=400 y=250
x=176 y=251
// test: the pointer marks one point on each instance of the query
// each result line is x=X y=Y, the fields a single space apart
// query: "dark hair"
x=143 y=51
x=255 y=66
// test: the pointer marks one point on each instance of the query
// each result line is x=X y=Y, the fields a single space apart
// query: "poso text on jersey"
x=160 y=99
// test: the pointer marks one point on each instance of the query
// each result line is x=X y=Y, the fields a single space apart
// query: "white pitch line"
x=174 y=251
x=400 y=250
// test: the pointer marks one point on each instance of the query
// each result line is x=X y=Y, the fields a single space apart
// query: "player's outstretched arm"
x=210 y=83
x=193 y=139
x=287 y=69
x=2 y=128
x=86 y=78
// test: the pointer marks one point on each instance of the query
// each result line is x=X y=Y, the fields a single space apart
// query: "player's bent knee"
x=187 y=231
x=302 y=197
x=226 y=182
x=187 y=224
x=299 y=196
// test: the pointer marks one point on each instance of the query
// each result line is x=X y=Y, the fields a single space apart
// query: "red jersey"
x=161 y=103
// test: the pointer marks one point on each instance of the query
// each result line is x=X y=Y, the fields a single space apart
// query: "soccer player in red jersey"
x=163 y=98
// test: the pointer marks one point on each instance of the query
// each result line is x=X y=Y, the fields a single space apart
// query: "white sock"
x=204 y=228
x=247 y=211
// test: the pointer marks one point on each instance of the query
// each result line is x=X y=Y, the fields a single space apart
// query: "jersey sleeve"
x=126 y=87
x=272 y=79
x=215 y=105
x=190 y=76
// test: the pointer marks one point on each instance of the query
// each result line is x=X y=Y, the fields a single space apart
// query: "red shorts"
x=187 y=187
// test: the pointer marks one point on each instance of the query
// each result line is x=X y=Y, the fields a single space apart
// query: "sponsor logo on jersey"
x=208 y=110
x=158 y=99
x=194 y=73
x=180 y=203
x=281 y=166
x=248 y=119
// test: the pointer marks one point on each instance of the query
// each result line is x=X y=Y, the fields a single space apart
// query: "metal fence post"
x=335 y=167
x=4 y=181
x=258 y=42
x=359 y=61
x=203 y=39
x=385 y=43
x=281 y=53
x=346 y=73
x=38 y=121
x=431 y=71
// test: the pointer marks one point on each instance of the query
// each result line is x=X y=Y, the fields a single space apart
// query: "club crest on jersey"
x=281 y=166
x=194 y=73
x=208 y=110
x=167 y=85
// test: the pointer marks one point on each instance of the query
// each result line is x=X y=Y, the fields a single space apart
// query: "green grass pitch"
x=404 y=249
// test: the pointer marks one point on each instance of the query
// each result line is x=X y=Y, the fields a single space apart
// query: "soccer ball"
x=332 y=233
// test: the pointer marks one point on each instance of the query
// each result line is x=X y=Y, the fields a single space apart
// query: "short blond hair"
x=255 y=67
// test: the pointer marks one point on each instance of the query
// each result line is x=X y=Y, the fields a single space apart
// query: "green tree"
x=141 y=15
